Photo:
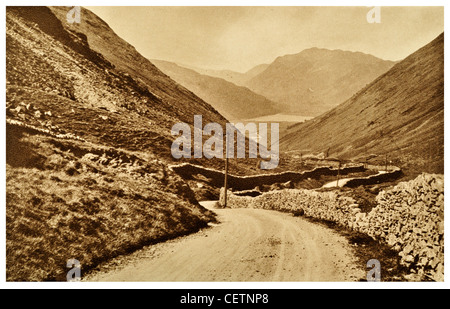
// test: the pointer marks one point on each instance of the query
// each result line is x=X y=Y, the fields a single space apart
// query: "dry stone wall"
x=408 y=217
x=18 y=124
x=374 y=179
x=240 y=183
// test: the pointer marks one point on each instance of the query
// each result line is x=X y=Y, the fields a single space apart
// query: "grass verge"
x=74 y=200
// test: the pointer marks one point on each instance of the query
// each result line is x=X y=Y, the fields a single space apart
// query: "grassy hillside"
x=56 y=70
x=399 y=115
x=71 y=199
x=174 y=99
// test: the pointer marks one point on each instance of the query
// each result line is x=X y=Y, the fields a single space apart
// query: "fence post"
x=338 y=174
x=225 y=181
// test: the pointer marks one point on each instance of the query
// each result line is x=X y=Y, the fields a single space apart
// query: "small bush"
x=71 y=171
x=298 y=212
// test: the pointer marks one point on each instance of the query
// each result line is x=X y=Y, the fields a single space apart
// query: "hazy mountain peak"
x=233 y=101
x=399 y=114
x=334 y=75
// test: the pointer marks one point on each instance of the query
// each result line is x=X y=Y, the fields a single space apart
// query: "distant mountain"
x=399 y=115
x=255 y=71
x=316 y=80
x=232 y=101
x=234 y=77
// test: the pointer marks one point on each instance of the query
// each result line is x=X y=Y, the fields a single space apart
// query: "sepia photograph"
x=224 y=144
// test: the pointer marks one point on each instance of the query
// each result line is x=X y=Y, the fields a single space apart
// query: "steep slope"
x=232 y=101
x=113 y=98
x=87 y=144
x=316 y=80
x=255 y=71
x=400 y=114
x=175 y=100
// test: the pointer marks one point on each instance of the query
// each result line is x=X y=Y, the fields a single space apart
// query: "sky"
x=240 y=37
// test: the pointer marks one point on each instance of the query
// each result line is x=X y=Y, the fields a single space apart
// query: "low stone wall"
x=374 y=179
x=11 y=124
x=241 y=183
x=409 y=217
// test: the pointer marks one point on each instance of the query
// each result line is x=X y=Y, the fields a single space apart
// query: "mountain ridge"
x=399 y=115
x=238 y=78
x=315 y=80
x=233 y=101
x=126 y=58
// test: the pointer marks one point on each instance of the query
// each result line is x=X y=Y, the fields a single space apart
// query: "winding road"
x=247 y=245
x=343 y=181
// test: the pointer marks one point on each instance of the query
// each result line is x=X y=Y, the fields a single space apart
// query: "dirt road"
x=343 y=181
x=247 y=245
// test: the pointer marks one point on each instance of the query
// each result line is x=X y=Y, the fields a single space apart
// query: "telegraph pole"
x=338 y=174
x=225 y=181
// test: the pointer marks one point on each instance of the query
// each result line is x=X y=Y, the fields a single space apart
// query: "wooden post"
x=225 y=181
x=338 y=174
